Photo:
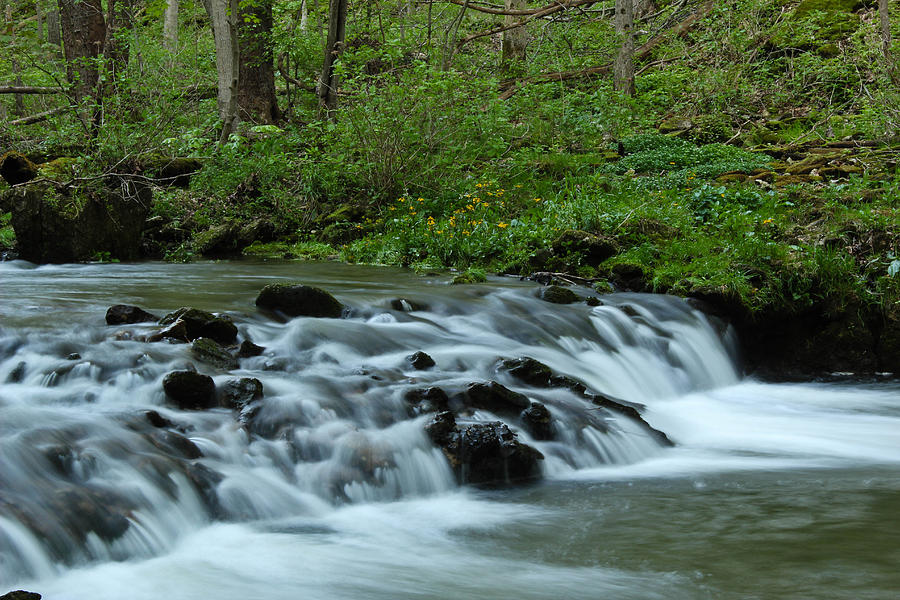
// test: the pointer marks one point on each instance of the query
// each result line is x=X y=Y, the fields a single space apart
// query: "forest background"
x=740 y=152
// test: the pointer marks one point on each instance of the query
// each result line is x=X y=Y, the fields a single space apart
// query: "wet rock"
x=157 y=420
x=420 y=361
x=210 y=352
x=484 y=453
x=85 y=510
x=407 y=305
x=15 y=168
x=73 y=356
x=428 y=399
x=200 y=323
x=632 y=413
x=299 y=300
x=190 y=390
x=21 y=595
x=204 y=480
x=249 y=349
x=18 y=373
x=441 y=427
x=528 y=371
x=124 y=314
x=537 y=420
x=175 y=444
x=238 y=393
x=177 y=332
x=557 y=294
x=496 y=398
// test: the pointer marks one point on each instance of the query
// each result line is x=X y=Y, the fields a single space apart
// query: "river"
x=770 y=491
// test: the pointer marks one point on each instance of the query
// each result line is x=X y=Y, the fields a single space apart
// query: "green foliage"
x=7 y=235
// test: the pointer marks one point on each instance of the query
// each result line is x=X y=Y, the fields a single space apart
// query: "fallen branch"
x=40 y=116
x=543 y=12
x=29 y=89
x=510 y=87
x=526 y=12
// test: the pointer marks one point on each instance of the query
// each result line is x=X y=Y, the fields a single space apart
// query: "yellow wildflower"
x=502 y=225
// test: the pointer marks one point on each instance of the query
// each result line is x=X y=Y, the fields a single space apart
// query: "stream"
x=337 y=492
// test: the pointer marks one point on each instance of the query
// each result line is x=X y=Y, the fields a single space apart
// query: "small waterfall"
x=97 y=465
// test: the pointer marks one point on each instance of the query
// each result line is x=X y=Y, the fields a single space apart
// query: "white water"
x=301 y=515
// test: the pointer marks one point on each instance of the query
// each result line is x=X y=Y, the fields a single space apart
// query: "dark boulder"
x=496 y=398
x=15 y=168
x=238 y=393
x=441 y=428
x=575 y=248
x=175 y=444
x=428 y=399
x=229 y=239
x=190 y=390
x=299 y=300
x=629 y=277
x=198 y=323
x=21 y=595
x=176 y=332
x=124 y=314
x=484 y=453
x=407 y=305
x=210 y=352
x=420 y=361
x=157 y=420
x=557 y=294
x=537 y=421
x=85 y=510
x=18 y=373
x=249 y=349
x=632 y=413
x=528 y=371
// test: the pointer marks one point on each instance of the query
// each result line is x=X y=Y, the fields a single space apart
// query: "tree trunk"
x=884 y=19
x=256 y=82
x=643 y=7
x=514 y=40
x=83 y=37
x=53 y=28
x=119 y=18
x=170 y=26
x=328 y=82
x=304 y=16
x=40 y=22
x=226 y=64
x=231 y=109
x=623 y=69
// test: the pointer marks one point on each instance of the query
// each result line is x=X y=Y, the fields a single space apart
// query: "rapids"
x=770 y=491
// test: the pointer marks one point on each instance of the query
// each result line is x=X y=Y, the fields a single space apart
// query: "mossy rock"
x=732 y=178
x=171 y=170
x=59 y=169
x=675 y=125
x=557 y=294
x=16 y=168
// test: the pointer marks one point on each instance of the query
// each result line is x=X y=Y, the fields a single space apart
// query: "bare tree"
x=256 y=82
x=623 y=69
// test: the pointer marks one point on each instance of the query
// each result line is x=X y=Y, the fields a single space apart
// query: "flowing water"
x=771 y=491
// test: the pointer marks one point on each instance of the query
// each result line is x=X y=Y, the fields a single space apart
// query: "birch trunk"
x=170 y=26
x=227 y=57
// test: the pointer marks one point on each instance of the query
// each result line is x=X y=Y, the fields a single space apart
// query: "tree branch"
x=28 y=89
x=40 y=116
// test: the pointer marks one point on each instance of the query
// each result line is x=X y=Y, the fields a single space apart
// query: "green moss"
x=299 y=250
x=7 y=235
x=471 y=275
x=846 y=6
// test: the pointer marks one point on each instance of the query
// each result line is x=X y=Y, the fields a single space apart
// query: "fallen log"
x=30 y=89
x=40 y=116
